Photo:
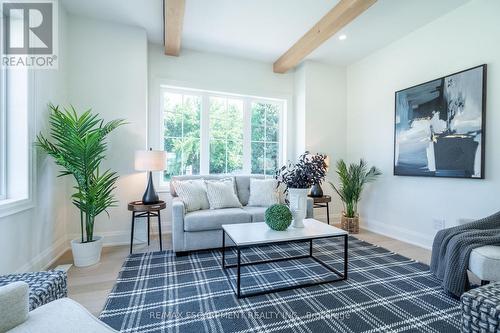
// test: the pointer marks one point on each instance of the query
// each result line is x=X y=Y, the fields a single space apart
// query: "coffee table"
x=247 y=235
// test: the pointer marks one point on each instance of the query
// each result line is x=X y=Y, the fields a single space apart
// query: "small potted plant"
x=77 y=144
x=352 y=180
x=298 y=178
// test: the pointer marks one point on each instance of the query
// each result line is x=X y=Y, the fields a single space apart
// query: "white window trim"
x=155 y=133
x=11 y=206
x=3 y=136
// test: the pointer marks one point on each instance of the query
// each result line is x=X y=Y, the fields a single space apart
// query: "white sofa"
x=59 y=316
x=484 y=262
x=201 y=229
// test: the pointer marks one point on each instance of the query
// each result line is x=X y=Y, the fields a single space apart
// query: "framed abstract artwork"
x=439 y=127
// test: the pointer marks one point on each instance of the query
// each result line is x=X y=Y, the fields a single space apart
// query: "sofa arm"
x=14 y=305
x=178 y=212
x=310 y=208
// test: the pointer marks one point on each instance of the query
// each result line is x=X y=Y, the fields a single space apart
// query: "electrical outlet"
x=439 y=224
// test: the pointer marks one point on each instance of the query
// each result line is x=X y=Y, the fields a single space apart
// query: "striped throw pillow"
x=221 y=194
x=192 y=193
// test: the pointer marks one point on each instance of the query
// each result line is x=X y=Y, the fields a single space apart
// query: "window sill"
x=14 y=206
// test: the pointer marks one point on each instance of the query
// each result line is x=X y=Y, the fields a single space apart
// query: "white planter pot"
x=298 y=205
x=86 y=254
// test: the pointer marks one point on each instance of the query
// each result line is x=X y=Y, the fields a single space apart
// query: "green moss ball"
x=278 y=217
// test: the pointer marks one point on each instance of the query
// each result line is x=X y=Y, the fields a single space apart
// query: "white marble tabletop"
x=260 y=233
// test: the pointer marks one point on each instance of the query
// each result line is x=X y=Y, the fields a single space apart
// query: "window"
x=181 y=119
x=16 y=137
x=265 y=137
x=205 y=132
x=226 y=135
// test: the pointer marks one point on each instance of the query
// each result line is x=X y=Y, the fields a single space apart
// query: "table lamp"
x=150 y=160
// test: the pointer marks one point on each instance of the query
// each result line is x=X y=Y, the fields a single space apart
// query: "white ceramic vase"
x=86 y=254
x=298 y=205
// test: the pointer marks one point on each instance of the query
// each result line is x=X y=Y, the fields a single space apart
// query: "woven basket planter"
x=350 y=224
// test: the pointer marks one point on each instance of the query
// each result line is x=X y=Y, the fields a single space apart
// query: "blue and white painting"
x=439 y=127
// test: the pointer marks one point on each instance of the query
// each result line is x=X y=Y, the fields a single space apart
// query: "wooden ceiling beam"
x=172 y=25
x=337 y=18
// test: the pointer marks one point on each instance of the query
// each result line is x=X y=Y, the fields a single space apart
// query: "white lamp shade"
x=150 y=160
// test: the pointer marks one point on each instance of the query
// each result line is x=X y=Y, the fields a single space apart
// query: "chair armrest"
x=14 y=305
x=178 y=212
x=310 y=208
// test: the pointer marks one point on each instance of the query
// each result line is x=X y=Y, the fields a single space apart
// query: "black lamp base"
x=150 y=196
x=316 y=191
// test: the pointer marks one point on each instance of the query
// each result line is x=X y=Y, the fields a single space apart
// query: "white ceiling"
x=265 y=29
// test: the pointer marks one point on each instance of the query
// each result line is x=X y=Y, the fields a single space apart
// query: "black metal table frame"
x=324 y=205
x=239 y=264
x=149 y=215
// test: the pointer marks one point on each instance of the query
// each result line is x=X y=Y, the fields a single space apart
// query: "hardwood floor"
x=90 y=286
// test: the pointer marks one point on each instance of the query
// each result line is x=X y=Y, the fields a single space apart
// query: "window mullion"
x=204 y=135
x=265 y=142
x=183 y=166
x=281 y=135
x=247 y=136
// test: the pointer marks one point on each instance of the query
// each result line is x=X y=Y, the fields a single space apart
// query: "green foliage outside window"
x=182 y=135
x=226 y=135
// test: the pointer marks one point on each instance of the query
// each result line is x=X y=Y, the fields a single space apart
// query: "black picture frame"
x=449 y=143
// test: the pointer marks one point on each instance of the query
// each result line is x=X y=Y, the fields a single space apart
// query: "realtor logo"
x=29 y=33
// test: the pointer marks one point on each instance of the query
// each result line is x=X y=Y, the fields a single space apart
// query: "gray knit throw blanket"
x=452 y=247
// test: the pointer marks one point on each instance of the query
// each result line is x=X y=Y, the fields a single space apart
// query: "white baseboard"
x=47 y=257
x=402 y=234
x=117 y=238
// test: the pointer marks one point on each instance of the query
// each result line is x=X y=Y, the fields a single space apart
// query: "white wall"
x=299 y=89
x=320 y=95
x=107 y=71
x=214 y=72
x=404 y=207
x=33 y=238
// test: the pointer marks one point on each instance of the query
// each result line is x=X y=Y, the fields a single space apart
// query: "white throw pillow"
x=221 y=194
x=193 y=194
x=263 y=192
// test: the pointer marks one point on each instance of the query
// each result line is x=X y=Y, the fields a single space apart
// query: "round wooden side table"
x=323 y=202
x=139 y=209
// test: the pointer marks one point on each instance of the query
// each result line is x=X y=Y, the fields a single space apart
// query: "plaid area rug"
x=385 y=292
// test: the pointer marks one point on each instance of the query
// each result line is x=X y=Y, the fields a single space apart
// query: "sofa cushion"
x=62 y=315
x=257 y=213
x=263 y=192
x=243 y=187
x=211 y=219
x=193 y=193
x=484 y=262
x=221 y=194
x=14 y=305
x=193 y=177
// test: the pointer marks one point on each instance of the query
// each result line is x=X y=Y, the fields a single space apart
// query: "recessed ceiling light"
x=342 y=37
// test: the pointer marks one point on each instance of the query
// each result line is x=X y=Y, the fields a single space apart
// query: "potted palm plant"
x=298 y=178
x=77 y=144
x=352 y=180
